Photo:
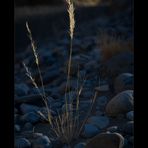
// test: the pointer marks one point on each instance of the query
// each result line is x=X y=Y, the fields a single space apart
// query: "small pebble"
x=130 y=115
x=80 y=145
x=28 y=126
x=112 y=129
x=17 y=128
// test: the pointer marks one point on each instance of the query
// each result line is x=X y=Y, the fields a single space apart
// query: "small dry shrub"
x=111 y=45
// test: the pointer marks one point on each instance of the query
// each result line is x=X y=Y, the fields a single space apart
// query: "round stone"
x=22 y=143
x=106 y=140
x=121 y=103
x=124 y=81
x=30 y=117
x=90 y=131
x=99 y=121
x=42 y=142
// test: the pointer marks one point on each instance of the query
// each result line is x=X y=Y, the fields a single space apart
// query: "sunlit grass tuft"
x=67 y=125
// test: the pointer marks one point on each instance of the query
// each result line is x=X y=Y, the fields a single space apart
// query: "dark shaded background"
x=48 y=18
x=37 y=2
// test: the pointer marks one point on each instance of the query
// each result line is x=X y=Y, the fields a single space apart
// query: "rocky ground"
x=110 y=125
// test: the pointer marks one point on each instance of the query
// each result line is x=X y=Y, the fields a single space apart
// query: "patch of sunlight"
x=87 y=2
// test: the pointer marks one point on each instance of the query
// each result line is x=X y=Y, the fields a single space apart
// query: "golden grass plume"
x=71 y=17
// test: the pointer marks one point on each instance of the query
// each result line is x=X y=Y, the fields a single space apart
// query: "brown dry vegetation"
x=111 y=45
